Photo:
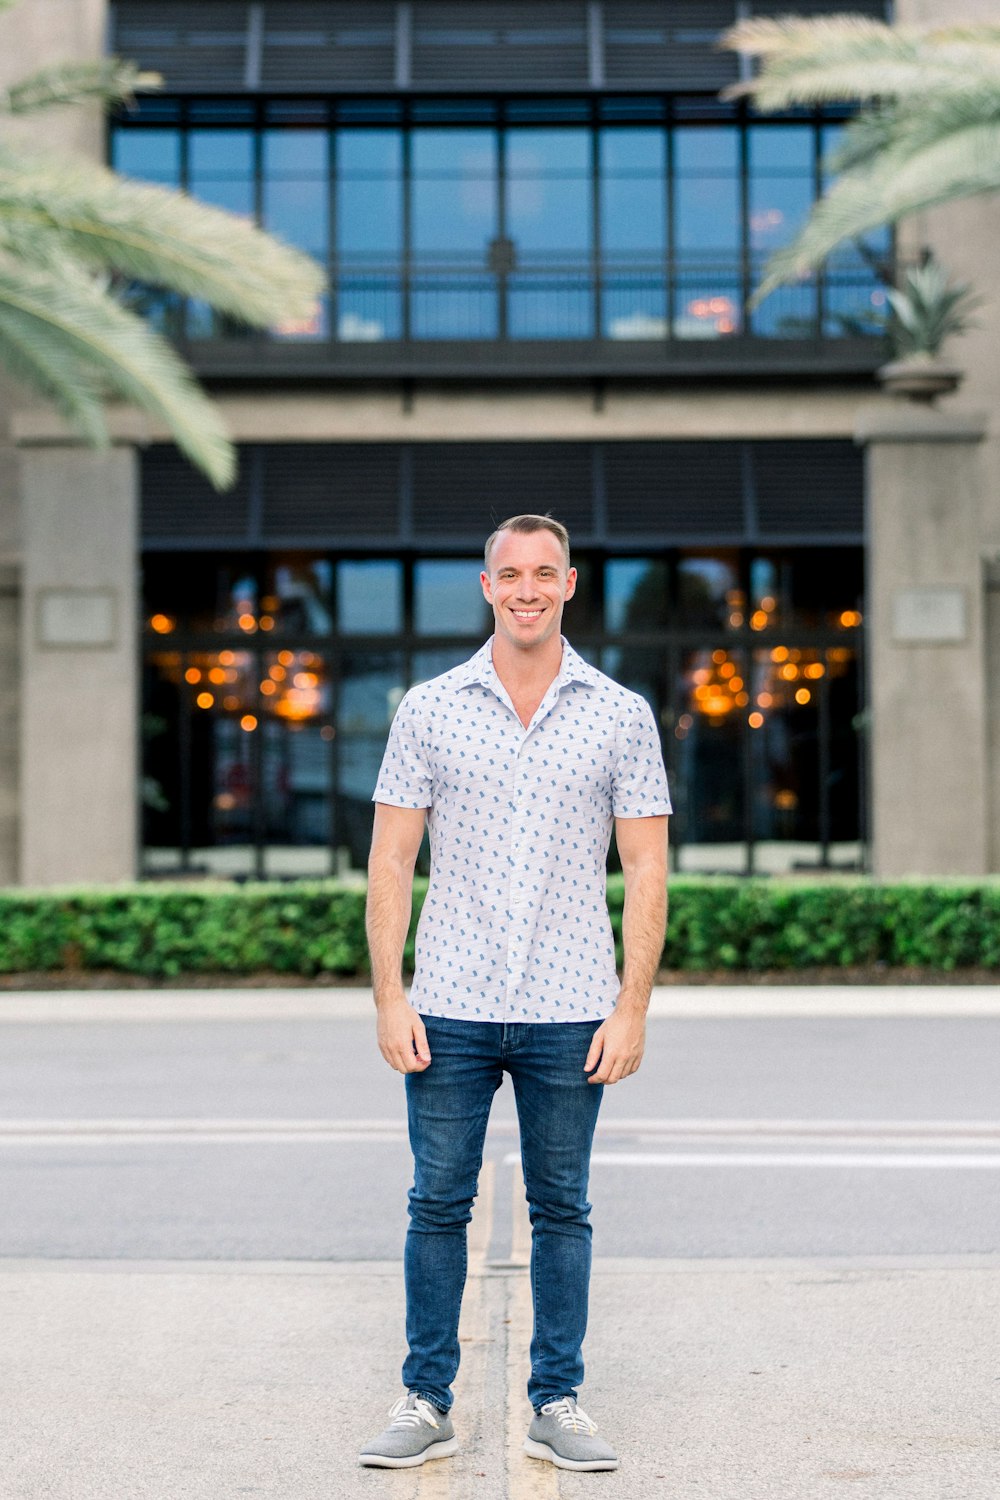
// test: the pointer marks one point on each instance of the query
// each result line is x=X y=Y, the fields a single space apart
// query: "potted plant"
x=925 y=310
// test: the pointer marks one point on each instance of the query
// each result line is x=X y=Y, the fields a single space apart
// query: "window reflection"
x=709 y=591
x=782 y=188
x=369 y=213
x=447 y=598
x=707 y=750
x=454 y=221
x=369 y=597
x=550 y=223
x=635 y=594
x=297 y=731
x=708 y=227
x=295 y=206
x=633 y=214
x=371 y=687
x=296 y=596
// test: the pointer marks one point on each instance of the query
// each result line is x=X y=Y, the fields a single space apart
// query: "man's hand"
x=402 y=1038
x=618 y=1043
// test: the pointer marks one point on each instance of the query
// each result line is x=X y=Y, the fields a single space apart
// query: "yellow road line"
x=527 y=1478
x=520 y=1234
x=446 y=1478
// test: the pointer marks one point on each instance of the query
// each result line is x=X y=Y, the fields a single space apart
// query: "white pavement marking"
x=952 y=1160
x=674 y=1001
x=219 y=1131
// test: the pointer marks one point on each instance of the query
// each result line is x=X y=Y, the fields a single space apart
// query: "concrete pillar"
x=926 y=629
x=79 y=700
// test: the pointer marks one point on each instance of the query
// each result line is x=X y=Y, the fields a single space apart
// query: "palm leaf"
x=852 y=57
x=41 y=364
x=49 y=210
x=72 y=317
x=75 y=83
x=963 y=164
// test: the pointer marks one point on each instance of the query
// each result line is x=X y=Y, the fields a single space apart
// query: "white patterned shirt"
x=515 y=924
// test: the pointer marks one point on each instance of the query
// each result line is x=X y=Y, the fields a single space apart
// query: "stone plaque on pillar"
x=929 y=616
x=75 y=617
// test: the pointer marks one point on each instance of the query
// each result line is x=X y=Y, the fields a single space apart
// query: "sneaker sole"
x=549 y=1455
x=434 y=1450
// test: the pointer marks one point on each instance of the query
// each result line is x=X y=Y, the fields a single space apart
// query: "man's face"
x=527 y=584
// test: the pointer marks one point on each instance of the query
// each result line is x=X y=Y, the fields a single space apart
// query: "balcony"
x=547 y=318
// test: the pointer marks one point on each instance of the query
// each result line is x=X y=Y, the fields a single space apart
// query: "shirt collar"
x=480 y=668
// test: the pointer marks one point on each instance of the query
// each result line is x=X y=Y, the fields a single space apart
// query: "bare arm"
x=619 y=1042
x=395 y=845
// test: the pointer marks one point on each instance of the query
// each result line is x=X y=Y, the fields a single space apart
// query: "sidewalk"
x=680 y=1001
x=780 y=1380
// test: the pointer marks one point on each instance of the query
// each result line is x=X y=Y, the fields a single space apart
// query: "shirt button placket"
x=516 y=902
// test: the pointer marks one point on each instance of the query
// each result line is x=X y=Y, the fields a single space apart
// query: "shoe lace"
x=570 y=1416
x=410 y=1411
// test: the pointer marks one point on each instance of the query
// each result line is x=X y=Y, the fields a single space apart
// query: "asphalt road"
x=309 y=1159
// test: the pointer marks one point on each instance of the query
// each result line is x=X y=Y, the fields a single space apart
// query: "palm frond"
x=109 y=80
x=41 y=365
x=50 y=209
x=963 y=164
x=73 y=318
x=851 y=57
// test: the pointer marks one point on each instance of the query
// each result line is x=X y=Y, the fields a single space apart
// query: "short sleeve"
x=639 y=787
x=405 y=777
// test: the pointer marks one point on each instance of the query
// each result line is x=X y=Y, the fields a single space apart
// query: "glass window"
x=224 y=776
x=369 y=597
x=806 y=586
x=633 y=214
x=781 y=192
x=708 y=230
x=710 y=714
x=218 y=591
x=152 y=155
x=296 y=595
x=369 y=215
x=295 y=206
x=454 y=222
x=635 y=594
x=296 y=727
x=447 y=597
x=550 y=224
x=856 y=273
x=370 y=690
x=709 y=590
x=221 y=169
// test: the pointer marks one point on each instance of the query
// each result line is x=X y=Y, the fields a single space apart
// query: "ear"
x=484 y=579
x=570 y=584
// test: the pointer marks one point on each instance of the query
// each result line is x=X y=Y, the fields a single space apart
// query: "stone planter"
x=919 y=378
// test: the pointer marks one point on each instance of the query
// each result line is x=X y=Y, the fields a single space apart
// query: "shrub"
x=317 y=927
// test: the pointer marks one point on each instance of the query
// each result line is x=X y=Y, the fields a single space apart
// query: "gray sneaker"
x=564 y=1435
x=417 y=1432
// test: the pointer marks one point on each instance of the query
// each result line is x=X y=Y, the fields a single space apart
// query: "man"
x=518 y=762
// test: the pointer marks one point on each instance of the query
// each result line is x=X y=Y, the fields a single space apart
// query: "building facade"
x=542 y=228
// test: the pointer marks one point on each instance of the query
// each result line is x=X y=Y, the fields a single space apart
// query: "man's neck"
x=522 y=670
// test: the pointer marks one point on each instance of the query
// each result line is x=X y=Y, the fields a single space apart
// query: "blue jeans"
x=449 y=1106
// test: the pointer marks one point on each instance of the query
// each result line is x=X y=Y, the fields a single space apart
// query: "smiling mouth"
x=527 y=615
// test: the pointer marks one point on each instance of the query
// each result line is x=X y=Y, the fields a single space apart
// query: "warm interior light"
x=162 y=624
x=205 y=700
x=248 y=722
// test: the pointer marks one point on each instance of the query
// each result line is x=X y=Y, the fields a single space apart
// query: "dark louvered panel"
x=466 y=489
x=330 y=490
x=808 y=487
x=200 y=46
x=878 y=9
x=483 y=45
x=676 y=489
x=307 y=44
x=179 y=505
x=668 y=44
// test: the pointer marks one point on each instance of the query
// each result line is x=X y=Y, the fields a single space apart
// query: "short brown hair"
x=527 y=524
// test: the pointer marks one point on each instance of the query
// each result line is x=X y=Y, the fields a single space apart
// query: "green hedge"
x=310 y=928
